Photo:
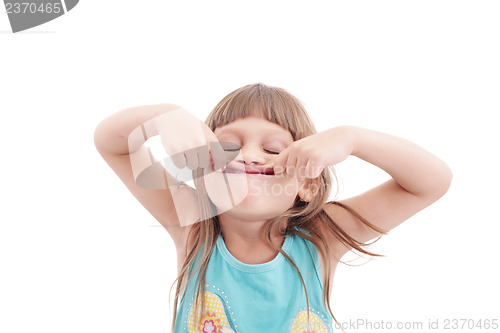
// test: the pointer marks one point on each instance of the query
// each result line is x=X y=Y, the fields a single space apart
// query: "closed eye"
x=229 y=146
x=267 y=151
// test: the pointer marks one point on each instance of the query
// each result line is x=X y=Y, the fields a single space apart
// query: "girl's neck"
x=245 y=242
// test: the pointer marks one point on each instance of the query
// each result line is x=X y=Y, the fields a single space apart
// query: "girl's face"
x=248 y=187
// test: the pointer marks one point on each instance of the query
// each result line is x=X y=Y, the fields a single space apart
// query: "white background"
x=78 y=253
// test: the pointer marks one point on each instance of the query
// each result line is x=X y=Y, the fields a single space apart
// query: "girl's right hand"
x=188 y=141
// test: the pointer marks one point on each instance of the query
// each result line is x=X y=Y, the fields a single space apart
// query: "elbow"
x=449 y=177
x=102 y=138
x=442 y=183
x=99 y=137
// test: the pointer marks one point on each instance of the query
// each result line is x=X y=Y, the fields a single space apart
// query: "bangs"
x=273 y=104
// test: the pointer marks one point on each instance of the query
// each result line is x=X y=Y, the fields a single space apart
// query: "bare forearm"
x=112 y=133
x=412 y=167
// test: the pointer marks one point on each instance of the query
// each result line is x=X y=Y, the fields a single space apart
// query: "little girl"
x=257 y=241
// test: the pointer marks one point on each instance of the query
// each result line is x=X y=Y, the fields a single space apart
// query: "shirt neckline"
x=257 y=268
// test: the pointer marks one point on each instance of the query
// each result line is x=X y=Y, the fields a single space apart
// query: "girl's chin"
x=255 y=211
x=258 y=206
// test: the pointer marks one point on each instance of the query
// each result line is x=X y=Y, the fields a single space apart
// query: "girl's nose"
x=252 y=155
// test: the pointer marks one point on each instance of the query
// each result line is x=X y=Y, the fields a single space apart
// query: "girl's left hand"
x=307 y=157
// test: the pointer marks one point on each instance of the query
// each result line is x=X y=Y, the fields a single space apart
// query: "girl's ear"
x=305 y=192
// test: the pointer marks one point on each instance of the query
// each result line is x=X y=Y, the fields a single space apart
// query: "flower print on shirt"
x=214 y=320
x=210 y=324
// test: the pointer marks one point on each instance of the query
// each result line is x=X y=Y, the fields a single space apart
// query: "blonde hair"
x=303 y=219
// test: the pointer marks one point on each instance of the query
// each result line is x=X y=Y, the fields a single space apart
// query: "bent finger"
x=179 y=160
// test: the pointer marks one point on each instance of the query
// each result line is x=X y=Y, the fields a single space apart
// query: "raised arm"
x=121 y=147
x=418 y=179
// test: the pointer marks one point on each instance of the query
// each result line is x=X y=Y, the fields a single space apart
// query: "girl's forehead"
x=252 y=124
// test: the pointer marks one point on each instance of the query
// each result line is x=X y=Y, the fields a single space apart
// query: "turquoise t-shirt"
x=269 y=297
